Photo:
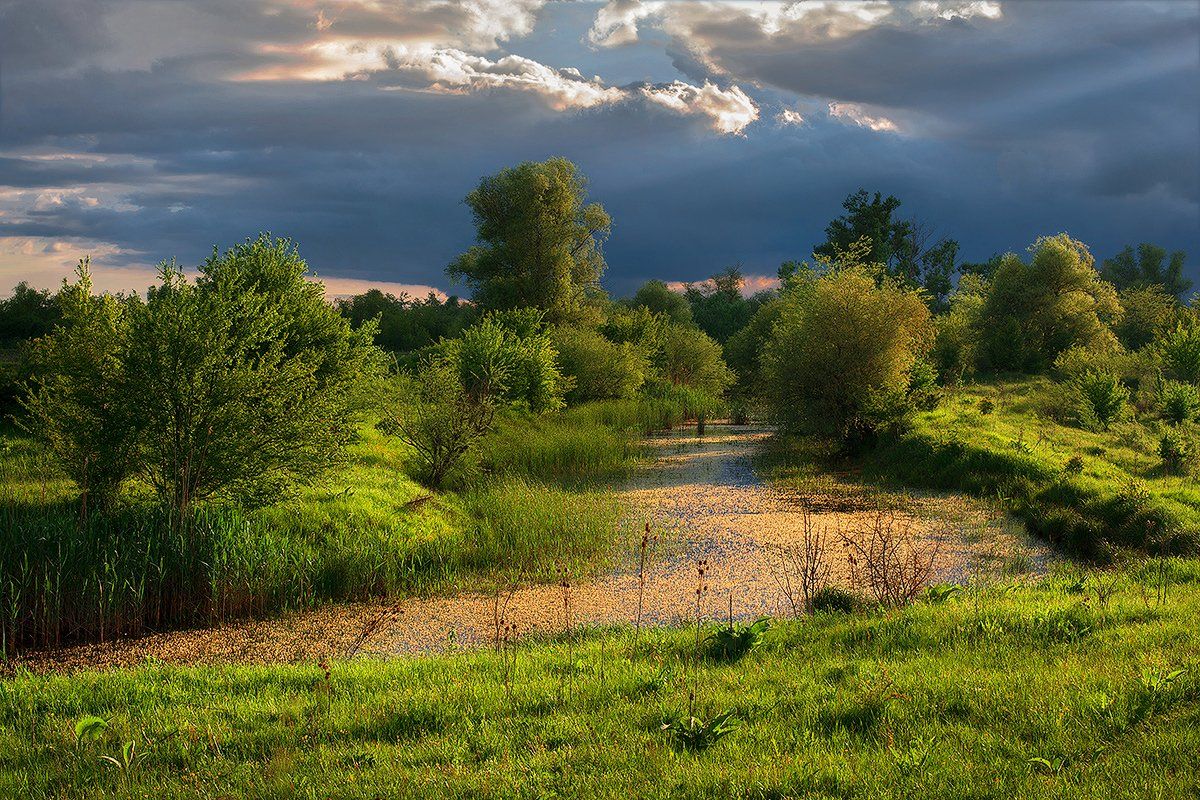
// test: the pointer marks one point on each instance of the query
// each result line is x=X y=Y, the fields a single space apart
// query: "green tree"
x=598 y=368
x=1036 y=310
x=718 y=306
x=408 y=324
x=540 y=241
x=74 y=403
x=840 y=357
x=1148 y=312
x=245 y=382
x=439 y=419
x=508 y=357
x=26 y=314
x=691 y=358
x=906 y=249
x=1130 y=270
x=659 y=298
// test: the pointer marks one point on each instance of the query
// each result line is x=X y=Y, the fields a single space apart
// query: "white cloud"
x=789 y=116
x=730 y=110
x=856 y=114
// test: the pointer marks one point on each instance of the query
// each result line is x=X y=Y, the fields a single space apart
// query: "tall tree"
x=907 y=249
x=718 y=306
x=1130 y=270
x=540 y=243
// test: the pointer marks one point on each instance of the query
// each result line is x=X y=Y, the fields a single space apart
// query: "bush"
x=1180 y=353
x=597 y=368
x=1099 y=398
x=1177 y=449
x=836 y=601
x=1180 y=402
x=691 y=358
x=844 y=350
x=509 y=358
x=440 y=420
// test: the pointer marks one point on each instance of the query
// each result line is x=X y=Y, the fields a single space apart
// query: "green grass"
x=1017 y=454
x=369 y=530
x=1038 y=691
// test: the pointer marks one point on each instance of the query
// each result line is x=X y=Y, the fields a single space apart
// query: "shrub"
x=1180 y=353
x=598 y=368
x=691 y=358
x=843 y=350
x=507 y=357
x=1074 y=465
x=75 y=405
x=440 y=420
x=1180 y=402
x=1099 y=398
x=1036 y=310
x=1177 y=449
x=838 y=601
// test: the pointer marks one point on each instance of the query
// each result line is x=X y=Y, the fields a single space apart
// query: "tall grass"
x=370 y=531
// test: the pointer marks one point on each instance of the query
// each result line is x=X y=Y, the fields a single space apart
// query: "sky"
x=714 y=132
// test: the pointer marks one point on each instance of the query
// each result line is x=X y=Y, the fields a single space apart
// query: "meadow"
x=1083 y=684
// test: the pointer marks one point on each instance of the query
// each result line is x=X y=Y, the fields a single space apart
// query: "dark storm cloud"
x=1063 y=116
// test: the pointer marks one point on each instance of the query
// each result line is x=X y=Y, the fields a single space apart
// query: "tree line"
x=245 y=381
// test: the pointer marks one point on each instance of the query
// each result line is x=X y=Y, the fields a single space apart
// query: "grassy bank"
x=1092 y=492
x=534 y=503
x=998 y=692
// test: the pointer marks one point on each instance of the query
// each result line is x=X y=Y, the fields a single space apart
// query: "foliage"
x=1036 y=310
x=743 y=351
x=540 y=241
x=842 y=352
x=832 y=599
x=1147 y=313
x=660 y=299
x=76 y=405
x=440 y=420
x=956 y=343
x=1179 y=350
x=27 y=314
x=1126 y=270
x=718 y=306
x=597 y=368
x=1100 y=398
x=691 y=733
x=902 y=247
x=734 y=640
x=508 y=357
x=407 y=324
x=689 y=357
x=1177 y=449
x=1180 y=402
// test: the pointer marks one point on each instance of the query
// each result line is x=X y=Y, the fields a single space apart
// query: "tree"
x=1036 y=310
x=408 y=324
x=718 y=306
x=74 y=403
x=1148 y=311
x=244 y=382
x=1126 y=270
x=840 y=357
x=440 y=420
x=540 y=242
x=241 y=383
x=598 y=368
x=907 y=249
x=658 y=297
x=26 y=314
x=508 y=357
x=691 y=358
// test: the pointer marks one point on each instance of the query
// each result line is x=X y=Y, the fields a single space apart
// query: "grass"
x=1032 y=691
x=367 y=531
x=1016 y=454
